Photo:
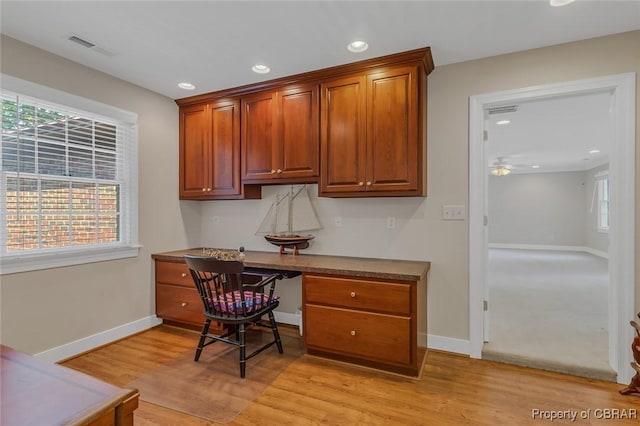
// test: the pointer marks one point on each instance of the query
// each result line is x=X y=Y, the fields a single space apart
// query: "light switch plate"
x=450 y=212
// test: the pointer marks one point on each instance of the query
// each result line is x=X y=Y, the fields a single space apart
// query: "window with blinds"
x=602 y=185
x=66 y=178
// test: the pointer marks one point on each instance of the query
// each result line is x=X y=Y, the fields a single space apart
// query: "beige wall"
x=49 y=308
x=45 y=309
x=451 y=86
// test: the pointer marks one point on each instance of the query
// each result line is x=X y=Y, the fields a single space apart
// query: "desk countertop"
x=38 y=393
x=388 y=269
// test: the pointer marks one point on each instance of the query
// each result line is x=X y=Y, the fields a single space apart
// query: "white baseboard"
x=598 y=253
x=288 y=318
x=85 y=344
x=550 y=247
x=447 y=344
x=431 y=341
x=79 y=346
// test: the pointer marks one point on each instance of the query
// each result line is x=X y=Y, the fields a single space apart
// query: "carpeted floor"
x=548 y=310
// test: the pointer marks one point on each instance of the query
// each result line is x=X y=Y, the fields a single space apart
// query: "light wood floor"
x=453 y=390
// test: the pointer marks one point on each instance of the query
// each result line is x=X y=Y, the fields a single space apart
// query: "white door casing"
x=622 y=208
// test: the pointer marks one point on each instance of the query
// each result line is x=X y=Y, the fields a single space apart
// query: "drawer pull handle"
x=184 y=274
x=353 y=332
x=183 y=304
x=353 y=294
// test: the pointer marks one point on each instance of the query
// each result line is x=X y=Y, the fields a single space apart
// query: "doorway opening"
x=621 y=291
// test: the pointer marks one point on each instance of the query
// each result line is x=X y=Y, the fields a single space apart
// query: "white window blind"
x=68 y=184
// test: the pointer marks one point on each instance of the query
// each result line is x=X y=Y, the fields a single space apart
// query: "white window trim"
x=68 y=256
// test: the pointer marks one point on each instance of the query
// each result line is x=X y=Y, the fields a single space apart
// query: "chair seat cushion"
x=231 y=302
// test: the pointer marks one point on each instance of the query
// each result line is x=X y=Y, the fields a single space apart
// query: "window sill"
x=35 y=262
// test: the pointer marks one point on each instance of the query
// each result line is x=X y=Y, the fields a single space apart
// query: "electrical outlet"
x=216 y=220
x=338 y=221
x=391 y=222
x=453 y=213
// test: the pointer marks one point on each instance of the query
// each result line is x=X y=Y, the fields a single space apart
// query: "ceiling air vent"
x=94 y=48
x=81 y=42
x=502 y=109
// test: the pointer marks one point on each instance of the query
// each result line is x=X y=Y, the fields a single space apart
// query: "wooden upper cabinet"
x=259 y=135
x=343 y=135
x=280 y=135
x=373 y=134
x=210 y=151
x=194 y=149
x=394 y=149
x=358 y=130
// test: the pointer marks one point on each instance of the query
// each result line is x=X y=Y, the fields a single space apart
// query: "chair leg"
x=243 y=359
x=203 y=335
x=274 y=328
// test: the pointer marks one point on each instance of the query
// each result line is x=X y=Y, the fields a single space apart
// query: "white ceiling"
x=555 y=134
x=213 y=44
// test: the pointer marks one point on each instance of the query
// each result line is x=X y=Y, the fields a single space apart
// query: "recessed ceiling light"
x=260 y=68
x=594 y=151
x=501 y=122
x=358 y=46
x=557 y=3
x=535 y=166
x=186 y=86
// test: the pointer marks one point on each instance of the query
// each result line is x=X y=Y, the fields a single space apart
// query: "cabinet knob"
x=184 y=274
x=183 y=304
x=353 y=294
x=204 y=189
x=368 y=183
x=360 y=183
x=353 y=332
x=208 y=189
x=273 y=171
x=279 y=170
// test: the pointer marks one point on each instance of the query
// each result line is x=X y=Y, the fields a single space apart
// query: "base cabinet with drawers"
x=365 y=321
x=358 y=310
x=177 y=300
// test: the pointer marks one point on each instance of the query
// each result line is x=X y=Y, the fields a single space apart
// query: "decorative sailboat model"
x=289 y=215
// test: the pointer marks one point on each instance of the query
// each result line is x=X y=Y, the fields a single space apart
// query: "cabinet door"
x=194 y=151
x=342 y=135
x=393 y=146
x=224 y=131
x=259 y=134
x=298 y=147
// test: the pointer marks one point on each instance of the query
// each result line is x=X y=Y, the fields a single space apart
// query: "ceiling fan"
x=500 y=167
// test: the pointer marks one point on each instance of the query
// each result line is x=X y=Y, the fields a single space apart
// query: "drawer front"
x=394 y=298
x=179 y=304
x=174 y=273
x=376 y=337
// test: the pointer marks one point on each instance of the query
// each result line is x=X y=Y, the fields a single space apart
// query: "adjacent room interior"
x=548 y=207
